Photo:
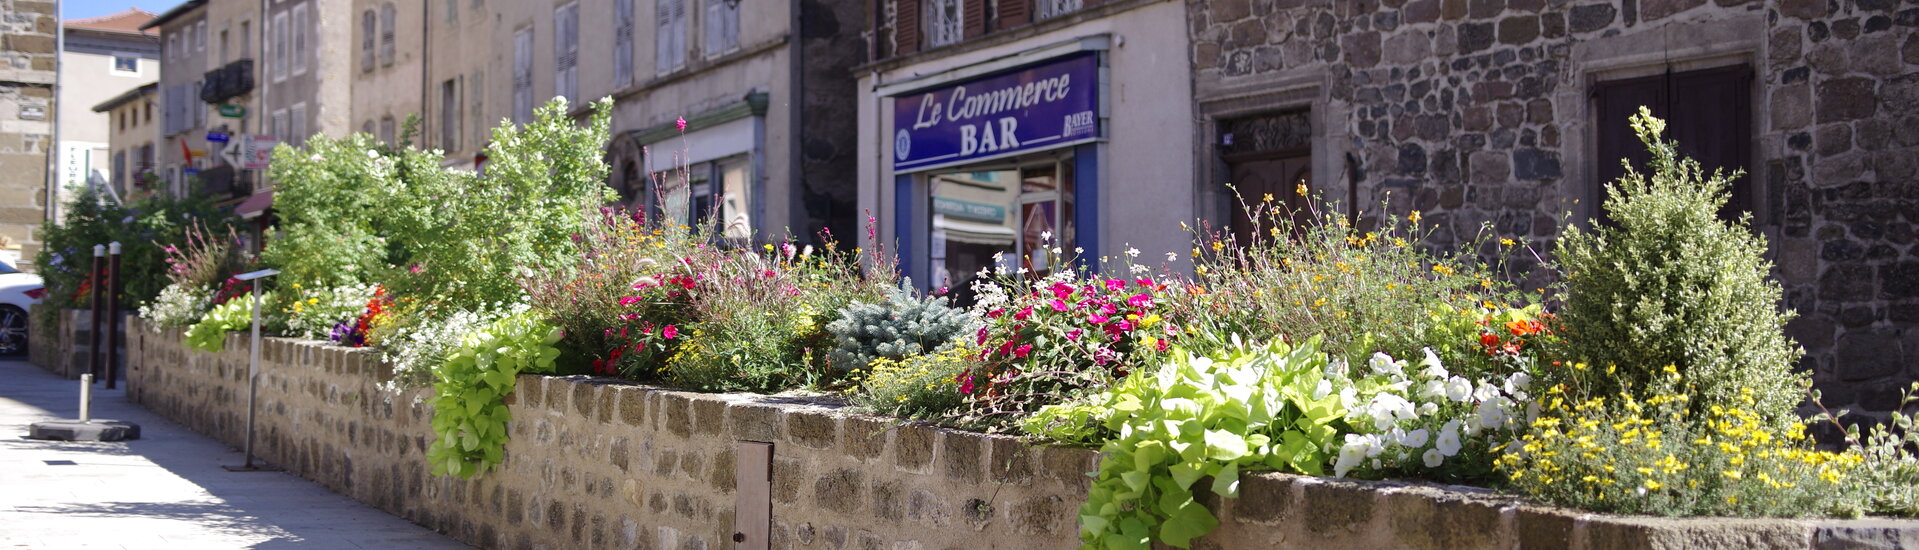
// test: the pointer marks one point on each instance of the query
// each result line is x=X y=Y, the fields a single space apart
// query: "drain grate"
x=61 y=463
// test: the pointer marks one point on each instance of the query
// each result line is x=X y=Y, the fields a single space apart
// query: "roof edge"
x=171 y=14
x=127 y=96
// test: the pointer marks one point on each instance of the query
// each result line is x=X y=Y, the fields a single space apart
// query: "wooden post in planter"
x=113 y=314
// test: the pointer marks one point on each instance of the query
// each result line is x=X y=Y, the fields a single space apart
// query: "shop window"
x=1709 y=112
x=943 y=22
x=1267 y=155
x=1047 y=9
x=1004 y=218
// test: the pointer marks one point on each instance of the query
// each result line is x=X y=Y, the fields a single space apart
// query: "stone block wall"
x=597 y=463
x=1479 y=112
x=27 y=59
x=65 y=350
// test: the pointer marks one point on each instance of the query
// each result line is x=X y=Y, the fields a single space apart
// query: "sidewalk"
x=163 y=491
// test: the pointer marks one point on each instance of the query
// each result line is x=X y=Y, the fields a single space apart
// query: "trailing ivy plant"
x=1267 y=407
x=210 y=334
x=469 y=416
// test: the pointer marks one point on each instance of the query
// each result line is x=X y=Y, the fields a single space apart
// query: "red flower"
x=1488 y=340
x=965 y=380
x=629 y=300
x=1022 y=350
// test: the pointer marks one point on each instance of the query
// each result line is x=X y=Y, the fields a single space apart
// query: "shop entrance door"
x=1000 y=218
x=1257 y=175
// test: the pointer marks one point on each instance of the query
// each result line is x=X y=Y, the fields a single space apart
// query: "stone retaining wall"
x=65 y=350
x=597 y=463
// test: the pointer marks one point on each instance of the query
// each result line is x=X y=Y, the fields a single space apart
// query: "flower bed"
x=1323 y=345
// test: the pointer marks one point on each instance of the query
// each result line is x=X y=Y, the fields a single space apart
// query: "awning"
x=254 y=205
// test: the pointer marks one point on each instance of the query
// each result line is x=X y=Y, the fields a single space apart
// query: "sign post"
x=253 y=372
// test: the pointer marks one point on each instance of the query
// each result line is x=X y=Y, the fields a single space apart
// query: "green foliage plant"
x=469 y=415
x=210 y=334
x=1673 y=284
x=897 y=327
x=1162 y=431
x=144 y=229
x=176 y=306
x=336 y=198
x=920 y=386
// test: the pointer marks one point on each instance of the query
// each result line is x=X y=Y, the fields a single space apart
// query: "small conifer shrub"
x=901 y=326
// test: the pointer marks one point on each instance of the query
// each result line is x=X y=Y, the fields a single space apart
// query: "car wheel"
x=13 y=330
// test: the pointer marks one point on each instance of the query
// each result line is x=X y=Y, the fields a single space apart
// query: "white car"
x=19 y=291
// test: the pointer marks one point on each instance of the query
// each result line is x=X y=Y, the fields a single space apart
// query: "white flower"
x=1324 y=388
x=1138 y=269
x=1448 y=441
x=1493 y=413
x=1459 y=389
x=1414 y=439
x=1427 y=409
x=372 y=154
x=1046 y=235
x=1132 y=252
x=1384 y=364
x=1431 y=367
x=1350 y=455
x=1485 y=391
x=1433 y=458
x=1518 y=382
x=1387 y=410
x=1435 y=388
x=1171 y=257
x=1336 y=367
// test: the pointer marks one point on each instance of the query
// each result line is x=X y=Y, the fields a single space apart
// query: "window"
x=246 y=40
x=566 y=50
x=387 y=16
x=297 y=127
x=173 y=46
x=224 y=45
x=149 y=112
x=1055 y=8
x=1005 y=217
x=450 y=114
x=195 y=108
x=299 y=31
x=123 y=121
x=722 y=28
x=476 y=92
x=369 y=25
x=120 y=170
x=367 y=127
x=717 y=196
x=280 y=124
x=1708 y=112
x=523 y=75
x=279 y=46
x=943 y=25
x=670 y=37
x=200 y=36
x=126 y=65
x=386 y=129
x=623 y=42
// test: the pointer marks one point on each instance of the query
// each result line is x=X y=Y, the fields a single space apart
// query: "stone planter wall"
x=65 y=351
x=597 y=463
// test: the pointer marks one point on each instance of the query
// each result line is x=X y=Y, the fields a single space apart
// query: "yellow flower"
x=1653 y=485
x=1414 y=217
x=1507 y=242
x=1268 y=198
x=1442 y=269
x=1217 y=246
x=1301 y=189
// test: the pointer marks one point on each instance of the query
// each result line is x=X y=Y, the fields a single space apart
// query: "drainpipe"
x=53 y=152
x=426 y=78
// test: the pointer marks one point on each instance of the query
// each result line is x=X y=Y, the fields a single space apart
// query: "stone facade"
x=27 y=112
x=1481 y=112
x=598 y=463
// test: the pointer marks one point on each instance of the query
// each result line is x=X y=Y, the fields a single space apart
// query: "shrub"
x=144 y=229
x=1675 y=285
x=621 y=293
x=429 y=338
x=896 y=328
x=210 y=334
x=1364 y=291
x=915 y=386
x=176 y=306
x=318 y=313
x=1057 y=337
x=1887 y=480
x=1659 y=455
x=335 y=198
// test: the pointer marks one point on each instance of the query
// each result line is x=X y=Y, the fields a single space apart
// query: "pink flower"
x=670 y=332
x=965 y=380
x=1163 y=344
x=995 y=313
x=1096 y=319
x=1108 y=309
x=629 y=300
x=415 y=269
x=982 y=335
x=1022 y=350
x=1023 y=314
x=1140 y=300
x=1058 y=305
x=1115 y=285
x=1074 y=334
x=680 y=124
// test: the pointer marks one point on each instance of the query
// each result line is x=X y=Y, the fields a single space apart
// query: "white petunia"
x=1492 y=413
x=1459 y=389
x=1485 y=390
x=1350 y=454
x=1384 y=364
x=1428 y=409
x=1433 y=458
x=1434 y=389
x=1323 y=389
x=1448 y=441
x=1430 y=366
x=1415 y=439
x=1518 y=382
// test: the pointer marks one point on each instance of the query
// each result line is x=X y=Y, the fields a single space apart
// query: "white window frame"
x=669 y=35
x=280 y=125
x=113 y=64
x=299 y=33
x=297 y=124
x=278 y=48
x=200 y=36
x=566 y=51
x=945 y=28
x=722 y=27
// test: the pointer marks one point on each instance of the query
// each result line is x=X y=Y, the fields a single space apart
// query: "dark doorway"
x=1709 y=112
x=1268 y=155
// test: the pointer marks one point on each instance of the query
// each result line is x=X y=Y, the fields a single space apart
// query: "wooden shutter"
x=1709 y=112
x=906 y=25
x=973 y=18
x=1013 y=13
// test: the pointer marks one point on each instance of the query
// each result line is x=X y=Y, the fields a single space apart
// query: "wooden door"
x=1275 y=174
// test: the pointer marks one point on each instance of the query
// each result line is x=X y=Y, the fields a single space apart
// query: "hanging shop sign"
x=233 y=111
x=1027 y=109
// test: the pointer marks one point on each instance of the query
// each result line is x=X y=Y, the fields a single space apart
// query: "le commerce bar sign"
x=1027 y=109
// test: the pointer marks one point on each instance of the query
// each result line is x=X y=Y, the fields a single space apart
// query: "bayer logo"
x=902 y=145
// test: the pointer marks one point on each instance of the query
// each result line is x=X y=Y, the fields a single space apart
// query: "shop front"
x=999 y=170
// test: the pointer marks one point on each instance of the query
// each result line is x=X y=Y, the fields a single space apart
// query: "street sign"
x=216 y=137
x=259 y=152
x=233 y=155
x=233 y=111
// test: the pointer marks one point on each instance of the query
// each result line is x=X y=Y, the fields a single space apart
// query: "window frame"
x=523 y=75
x=113 y=64
x=369 y=38
x=278 y=47
x=298 y=39
x=940 y=31
x=389 y=31
x=566 y=50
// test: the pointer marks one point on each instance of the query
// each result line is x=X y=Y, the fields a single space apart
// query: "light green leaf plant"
x=470 y=416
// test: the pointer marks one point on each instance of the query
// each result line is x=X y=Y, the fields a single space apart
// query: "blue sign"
x=1028 y=109
x=217 y=137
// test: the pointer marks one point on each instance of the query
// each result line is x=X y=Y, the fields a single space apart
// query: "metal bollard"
x=86 y=398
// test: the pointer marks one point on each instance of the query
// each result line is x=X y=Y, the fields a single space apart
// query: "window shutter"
x=299 y=32
x=1013 y=13
x=387 y=24
x=974 y=18
x=476 y=90
x=523 y=76
x=623 y=42
x=368 y=27
x=566 y=51
x=906 y=26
